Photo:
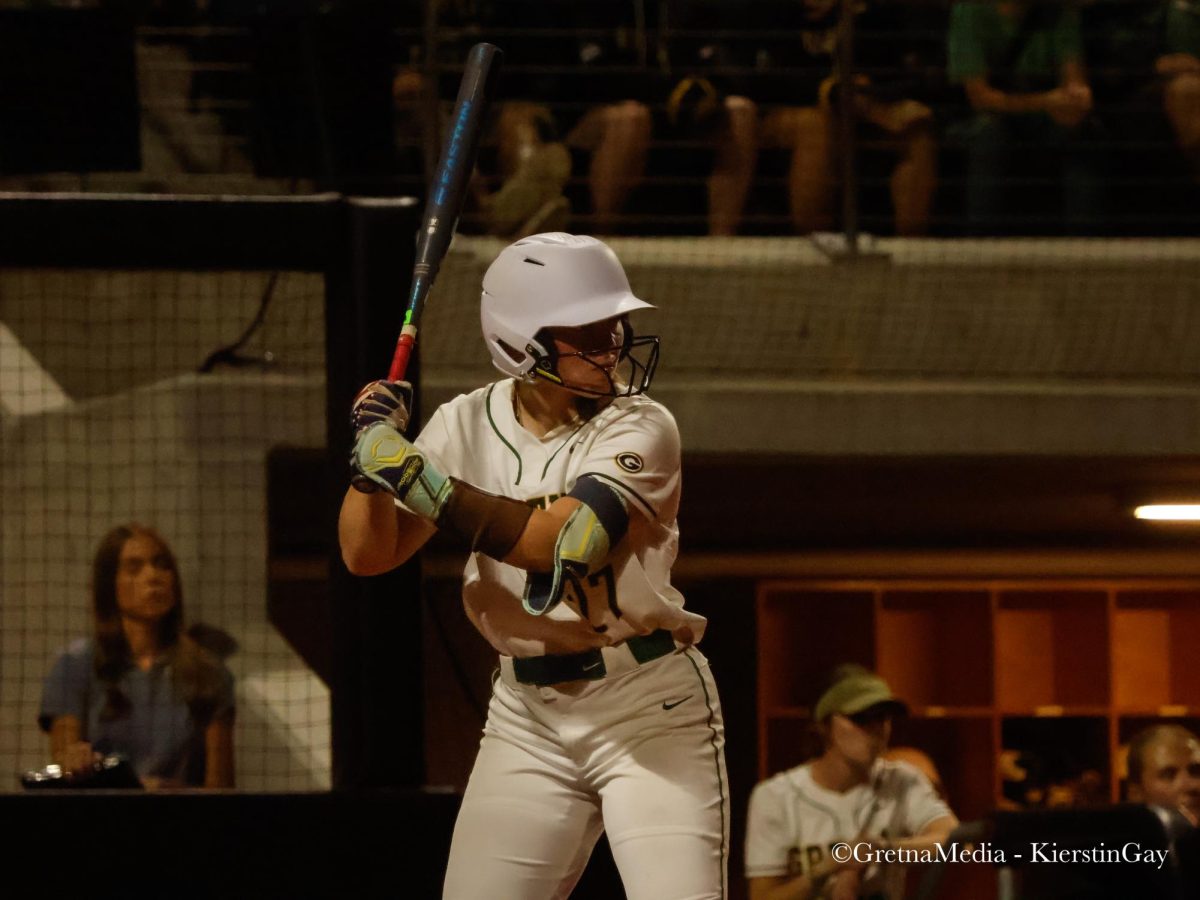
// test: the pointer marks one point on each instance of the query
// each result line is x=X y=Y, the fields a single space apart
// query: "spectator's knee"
x=741 y=109
x=629 y=118
x=1185 y=86
x=801 y=126
x=1182 y=100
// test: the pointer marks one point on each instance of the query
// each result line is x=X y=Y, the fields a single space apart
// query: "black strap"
x=606 y=503
x=589 y=664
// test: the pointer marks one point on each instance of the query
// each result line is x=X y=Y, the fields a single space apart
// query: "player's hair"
x=1146 y=738
x=196 y=671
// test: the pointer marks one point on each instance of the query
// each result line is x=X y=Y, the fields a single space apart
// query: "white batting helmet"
x=546 y=281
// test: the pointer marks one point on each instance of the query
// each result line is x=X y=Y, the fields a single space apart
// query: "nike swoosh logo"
x=592 y=666
x=676 y=703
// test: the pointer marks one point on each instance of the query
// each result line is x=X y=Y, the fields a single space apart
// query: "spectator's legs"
x=914 y=180
x=1082 y=192
x=989 y=145
x=618 y=137
x=807 y=132
x=534 y=168
x=520 y=130
x=1181 y=99
x=733 y=168
x=1080 y=164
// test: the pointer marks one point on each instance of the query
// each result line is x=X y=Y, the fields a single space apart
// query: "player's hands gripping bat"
x=382 y=401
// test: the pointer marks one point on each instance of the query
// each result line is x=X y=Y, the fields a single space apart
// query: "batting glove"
x=382 y=401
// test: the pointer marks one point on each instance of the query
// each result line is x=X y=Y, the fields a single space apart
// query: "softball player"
x=564 y=479
x=803 y=824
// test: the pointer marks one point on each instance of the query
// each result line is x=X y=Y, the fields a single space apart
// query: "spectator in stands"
x=1164 y=770
x=602 y=108
x=1020 y=63
x=886 y=111
x=525 y=194
x=705 y=97
x=559 y=97
x=1179 y=68
x=599 y=94
x=1144 y=60
x=848 y=794
x=141 y=687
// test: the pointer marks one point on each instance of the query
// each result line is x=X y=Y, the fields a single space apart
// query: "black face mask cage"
x=634 y=371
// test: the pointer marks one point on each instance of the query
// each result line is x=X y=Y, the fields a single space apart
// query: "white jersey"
x=793 y=822
x=632 y=445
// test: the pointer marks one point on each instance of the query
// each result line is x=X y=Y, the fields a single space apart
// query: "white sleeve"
x=638 y=454
x=921 y=802
x=439 y=445
x=768 y=841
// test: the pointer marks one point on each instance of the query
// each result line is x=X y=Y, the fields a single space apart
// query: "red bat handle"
x=408 y=337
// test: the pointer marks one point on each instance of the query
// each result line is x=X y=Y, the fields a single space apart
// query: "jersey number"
x=580 y=593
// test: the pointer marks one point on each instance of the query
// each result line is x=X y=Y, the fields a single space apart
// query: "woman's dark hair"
x=197 y=673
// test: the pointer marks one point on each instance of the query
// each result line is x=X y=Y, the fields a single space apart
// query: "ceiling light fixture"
x=1168 y=512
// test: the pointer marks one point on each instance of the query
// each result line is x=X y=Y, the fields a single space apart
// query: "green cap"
x=856 y=692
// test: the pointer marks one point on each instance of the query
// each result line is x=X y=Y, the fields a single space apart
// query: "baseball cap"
x=855 y=692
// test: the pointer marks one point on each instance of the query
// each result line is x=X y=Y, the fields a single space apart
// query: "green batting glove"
x=387 y=458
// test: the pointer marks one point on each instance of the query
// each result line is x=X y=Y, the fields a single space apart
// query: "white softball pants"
x=639 y=754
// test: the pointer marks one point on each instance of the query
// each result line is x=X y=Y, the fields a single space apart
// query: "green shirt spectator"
x=1014 y=52
x=1020 y=64
x=1183 y=27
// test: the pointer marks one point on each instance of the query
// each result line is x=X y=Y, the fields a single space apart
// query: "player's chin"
x=591 y=388
x=157 y=602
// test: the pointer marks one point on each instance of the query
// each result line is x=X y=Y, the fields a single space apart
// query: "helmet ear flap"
x=512 y=353
x=545 y=357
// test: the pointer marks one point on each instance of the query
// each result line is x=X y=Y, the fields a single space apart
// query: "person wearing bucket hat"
x=839 y=825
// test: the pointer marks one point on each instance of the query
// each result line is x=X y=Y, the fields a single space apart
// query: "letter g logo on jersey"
x=630 y=462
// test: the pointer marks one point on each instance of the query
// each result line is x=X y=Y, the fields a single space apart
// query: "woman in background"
x=140 y=687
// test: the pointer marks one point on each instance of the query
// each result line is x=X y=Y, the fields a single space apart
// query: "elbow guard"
x=583 y=546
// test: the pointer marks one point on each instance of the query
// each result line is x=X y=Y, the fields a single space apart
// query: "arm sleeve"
x=435 y=442
x=437 y=446
x=638 y=455
x=64 y=692
x=767 y=838
x=965 y=55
